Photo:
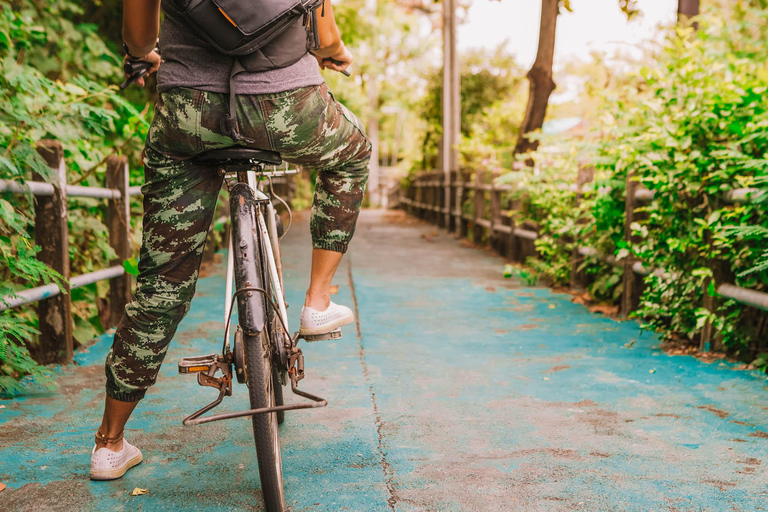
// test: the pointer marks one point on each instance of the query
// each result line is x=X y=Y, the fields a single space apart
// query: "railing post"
x=420 y=195
x=463 y=229
x=51 y=234
x=433 y=199
x=119 y=225
x=495 y=215
x=452 y=199
x=575 y=256
x=445 y=198
x=711 y=340
x=477 y=229
x=629 y=278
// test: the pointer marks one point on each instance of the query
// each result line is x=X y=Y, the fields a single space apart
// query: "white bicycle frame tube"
x=228 y=289
x=272 y=226
x=272 y=265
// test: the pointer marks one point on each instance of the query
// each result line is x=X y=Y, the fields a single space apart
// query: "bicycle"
x=262 y=354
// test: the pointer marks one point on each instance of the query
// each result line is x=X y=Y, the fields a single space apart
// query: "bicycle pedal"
x=333 y=335
x=197 y=363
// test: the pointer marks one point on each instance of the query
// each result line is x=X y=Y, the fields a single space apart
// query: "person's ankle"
x=319 y=302
x=115 y=447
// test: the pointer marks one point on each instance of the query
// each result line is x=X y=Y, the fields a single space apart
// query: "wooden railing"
x=429 y=197
x=52 y=235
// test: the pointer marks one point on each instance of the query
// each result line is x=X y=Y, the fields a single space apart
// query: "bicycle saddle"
x=238 y=155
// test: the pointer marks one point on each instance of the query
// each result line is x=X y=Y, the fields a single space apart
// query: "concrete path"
x=462 y=391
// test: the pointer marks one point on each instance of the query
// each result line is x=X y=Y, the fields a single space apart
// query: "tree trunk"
x=540 y=77
x=687 y=9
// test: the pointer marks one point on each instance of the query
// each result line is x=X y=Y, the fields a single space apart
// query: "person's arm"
x=141 y=25
x=331 y=45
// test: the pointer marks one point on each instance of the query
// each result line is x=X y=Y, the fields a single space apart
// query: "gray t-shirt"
x=189 y=61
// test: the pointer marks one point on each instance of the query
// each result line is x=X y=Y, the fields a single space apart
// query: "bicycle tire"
x=261 y=392
x=254 y=310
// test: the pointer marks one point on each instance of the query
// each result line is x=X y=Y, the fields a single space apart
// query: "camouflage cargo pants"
x=306 y=126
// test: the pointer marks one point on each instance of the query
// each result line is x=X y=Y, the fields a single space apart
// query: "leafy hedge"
x=690 y=125
x=56 y=83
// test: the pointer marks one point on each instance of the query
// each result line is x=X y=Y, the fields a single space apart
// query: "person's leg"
x=116 y=414
x=179 y=203
x=311 y=128
x=324 y=265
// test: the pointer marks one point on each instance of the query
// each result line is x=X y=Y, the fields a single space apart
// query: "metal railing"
x=431 y=199
x=51 y=234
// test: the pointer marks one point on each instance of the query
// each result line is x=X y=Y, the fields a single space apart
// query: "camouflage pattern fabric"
x=306 y=126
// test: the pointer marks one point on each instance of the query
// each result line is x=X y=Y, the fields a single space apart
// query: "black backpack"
x=261 y=34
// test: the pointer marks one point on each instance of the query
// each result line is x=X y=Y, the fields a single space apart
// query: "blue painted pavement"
x=464 y=391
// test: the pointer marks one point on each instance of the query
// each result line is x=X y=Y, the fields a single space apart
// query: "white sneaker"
x=109 y=465
x=314 y=322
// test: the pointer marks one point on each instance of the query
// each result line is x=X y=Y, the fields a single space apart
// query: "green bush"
x=56 y=83
x=691 y=125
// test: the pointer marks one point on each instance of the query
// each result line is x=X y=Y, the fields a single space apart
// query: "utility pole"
x=373 y=115
x=450 y=102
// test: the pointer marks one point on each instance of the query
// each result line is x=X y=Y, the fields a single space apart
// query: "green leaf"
x=131 y=266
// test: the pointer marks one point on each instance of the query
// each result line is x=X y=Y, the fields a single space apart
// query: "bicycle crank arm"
x=195 y=418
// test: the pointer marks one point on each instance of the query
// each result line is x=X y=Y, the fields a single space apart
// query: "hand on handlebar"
x=338 y=62
x=153 y=59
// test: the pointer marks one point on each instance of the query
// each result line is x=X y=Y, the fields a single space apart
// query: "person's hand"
x=340 y=61
x=153 y=58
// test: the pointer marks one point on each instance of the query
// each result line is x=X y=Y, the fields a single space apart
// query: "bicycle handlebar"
x=338 y=63
x=135 y=69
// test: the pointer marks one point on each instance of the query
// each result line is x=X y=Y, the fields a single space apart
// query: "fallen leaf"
x=428 y=238
x=138 y=491
x=605 y=309
x=2 y=486
x=334 y=289
x=551 y=306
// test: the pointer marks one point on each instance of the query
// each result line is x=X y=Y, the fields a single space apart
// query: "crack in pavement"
x=385 y=466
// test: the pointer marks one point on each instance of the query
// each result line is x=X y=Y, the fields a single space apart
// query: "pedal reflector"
x=197 y=364
x=196 y=369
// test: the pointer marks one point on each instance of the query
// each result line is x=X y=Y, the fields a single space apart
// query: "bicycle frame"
x=290 y=357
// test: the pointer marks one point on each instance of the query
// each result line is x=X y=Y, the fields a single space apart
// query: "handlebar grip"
x=132 y=67
x=135 y=69
x=338 y=63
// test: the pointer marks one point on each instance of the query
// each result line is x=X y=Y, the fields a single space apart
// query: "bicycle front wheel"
x=261 y=392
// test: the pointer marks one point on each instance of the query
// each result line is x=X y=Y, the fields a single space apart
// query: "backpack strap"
x=228 y=123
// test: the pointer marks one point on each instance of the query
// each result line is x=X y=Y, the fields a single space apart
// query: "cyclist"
x=289 y=110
